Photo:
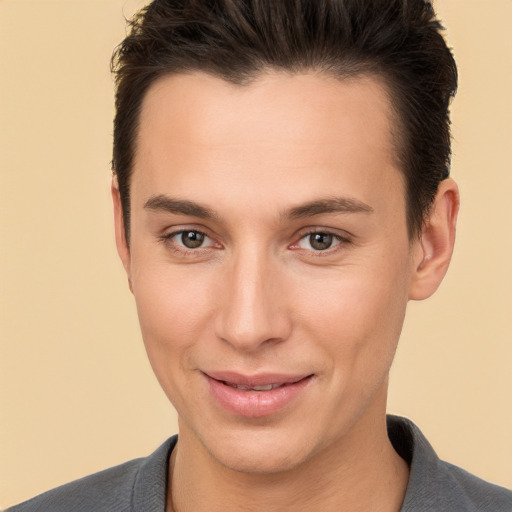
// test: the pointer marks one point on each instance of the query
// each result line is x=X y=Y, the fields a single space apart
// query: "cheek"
x=357 y=317
x=174 y=306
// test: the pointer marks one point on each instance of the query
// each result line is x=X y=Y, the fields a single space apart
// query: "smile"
x=255 y=396
x=267 y=387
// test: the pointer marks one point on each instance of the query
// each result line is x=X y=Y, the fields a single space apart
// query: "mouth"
x=258 y=395
x=267 y=387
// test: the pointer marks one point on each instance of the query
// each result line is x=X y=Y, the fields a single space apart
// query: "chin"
x=258 y=461
x=265 y=451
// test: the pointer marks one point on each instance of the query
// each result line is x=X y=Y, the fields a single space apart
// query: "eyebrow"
x=330 y=205
x=179 y=206
x=168 y=204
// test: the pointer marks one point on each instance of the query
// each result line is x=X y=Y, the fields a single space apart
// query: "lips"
x=258 y=395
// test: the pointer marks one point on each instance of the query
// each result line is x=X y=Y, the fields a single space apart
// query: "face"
x=269 y=260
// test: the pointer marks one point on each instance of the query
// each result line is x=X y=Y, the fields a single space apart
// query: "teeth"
x=267 y=387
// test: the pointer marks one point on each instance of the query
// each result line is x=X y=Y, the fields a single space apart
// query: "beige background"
x=76 y=391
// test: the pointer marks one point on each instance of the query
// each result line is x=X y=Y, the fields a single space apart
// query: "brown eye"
x=192 y=239
x=320 y=241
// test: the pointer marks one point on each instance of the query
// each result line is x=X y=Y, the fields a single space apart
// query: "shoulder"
x=435 y=485
x=480 y=494
x=106 y=490
x=117 y=489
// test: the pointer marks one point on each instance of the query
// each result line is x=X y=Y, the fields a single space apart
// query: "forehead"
x=306 y=131
x=291 y=108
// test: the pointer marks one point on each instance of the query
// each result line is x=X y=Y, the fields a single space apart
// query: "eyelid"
x=336 y=241
x=343 y=240
x=311 y=230
x=177 y=247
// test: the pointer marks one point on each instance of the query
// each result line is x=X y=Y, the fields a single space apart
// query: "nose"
x=252 y=309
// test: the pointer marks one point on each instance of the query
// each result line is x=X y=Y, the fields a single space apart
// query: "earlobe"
x=121 y=241
x=435 y=246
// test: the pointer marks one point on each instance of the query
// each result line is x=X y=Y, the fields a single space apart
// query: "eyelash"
x=179 y=249
x=182 y=250
x=342 y=242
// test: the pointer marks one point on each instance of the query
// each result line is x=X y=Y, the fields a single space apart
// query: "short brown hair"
x=398 y=40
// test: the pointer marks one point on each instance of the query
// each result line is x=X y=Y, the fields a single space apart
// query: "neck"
x=360 y=472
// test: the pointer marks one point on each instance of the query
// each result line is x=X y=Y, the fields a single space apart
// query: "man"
x=281 y=192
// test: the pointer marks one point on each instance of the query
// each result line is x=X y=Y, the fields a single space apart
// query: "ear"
x=434 y=249
x=121 y=241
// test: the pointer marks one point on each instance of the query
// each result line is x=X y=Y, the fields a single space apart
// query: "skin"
x=257 y=296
